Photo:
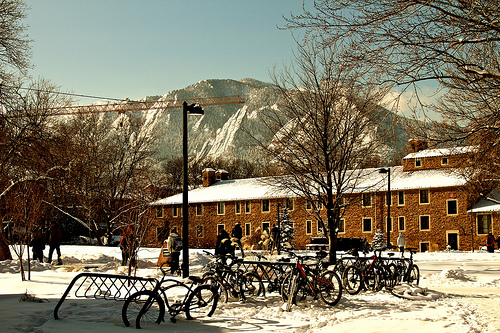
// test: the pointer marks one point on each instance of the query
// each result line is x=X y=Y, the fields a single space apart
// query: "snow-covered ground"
x=462 y=295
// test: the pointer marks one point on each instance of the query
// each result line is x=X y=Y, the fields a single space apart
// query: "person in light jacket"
x=174 y=253
x=401 y=241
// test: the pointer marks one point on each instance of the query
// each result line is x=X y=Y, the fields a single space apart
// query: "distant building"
x=430 y=205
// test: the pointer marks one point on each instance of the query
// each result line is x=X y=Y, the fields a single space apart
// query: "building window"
x=237 y=207
x=483 y=224
x=401 y=223
x=367 y=200
x=367 y=224
x=341 y=226
x=424 y=246
x=248 y=229
x=159 y=211
x=309 y=227
x=418 y=163
x=247 y=207
x=308 y=205
x=401 y=198
x=425 y=222
x=320 y=229
x=221 y=208
x=175 y=211
x=220 y=227
x=444 y=161
x=199 y=231
x=452 y=207
x=265 y=206
x=265 y=226
x=424 y=197
x=199 y=209
x=289 y=204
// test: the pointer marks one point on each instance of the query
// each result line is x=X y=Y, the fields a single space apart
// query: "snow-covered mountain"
x=223 y=130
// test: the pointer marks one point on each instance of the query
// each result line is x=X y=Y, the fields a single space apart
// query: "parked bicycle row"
x=295 y=278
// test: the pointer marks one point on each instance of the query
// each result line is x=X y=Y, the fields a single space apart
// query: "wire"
x=64 y=93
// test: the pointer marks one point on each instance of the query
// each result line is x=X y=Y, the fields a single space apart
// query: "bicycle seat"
x=196 y=279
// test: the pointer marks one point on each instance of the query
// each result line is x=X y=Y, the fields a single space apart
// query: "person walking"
x=236 y=235
x=223 y=246
x=174 y=247
x=401 y=241
x=38 y=245
x=490 y=243
x=274 y=237
x=127 y=245
x=54 y=240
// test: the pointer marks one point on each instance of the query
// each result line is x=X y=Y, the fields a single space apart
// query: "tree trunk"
x=4 y=248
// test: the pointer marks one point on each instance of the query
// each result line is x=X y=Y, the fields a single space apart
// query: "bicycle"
x=404 y=270
x=372 y=276
x=230 y=280
x=271 y=272
x=306 y=281
x=147 y=307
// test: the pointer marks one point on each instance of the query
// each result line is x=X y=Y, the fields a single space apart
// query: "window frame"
x=248 y=207
x=420 y=196
x=363 y=220
x=399 y=223
x=418 y=163
x=221 y=208
x=420 y=222
x=364 y=198
x=237 y=207
x=309 y=227
x=199 y=209
x=341 y=223
x=448 y=207
x=263 y=204
x=401 y=198
x=489 y=224
x=248 y=229
x=175 y=211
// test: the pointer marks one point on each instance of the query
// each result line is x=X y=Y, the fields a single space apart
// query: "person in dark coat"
x=490 y=243
x=236 y=235
x=38 y=245
x=54 y=240
x=127 y=245
x=223 y=246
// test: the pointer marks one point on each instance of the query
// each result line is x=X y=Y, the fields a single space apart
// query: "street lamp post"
x=389 y=202
x=197 y=110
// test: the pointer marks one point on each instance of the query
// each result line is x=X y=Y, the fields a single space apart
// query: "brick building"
x=429 y=205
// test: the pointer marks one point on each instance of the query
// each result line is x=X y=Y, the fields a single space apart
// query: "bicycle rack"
x=105 y=286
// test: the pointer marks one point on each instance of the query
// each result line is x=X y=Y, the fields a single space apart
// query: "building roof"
x=441 y=152
x=489 y=204
x=366 y=180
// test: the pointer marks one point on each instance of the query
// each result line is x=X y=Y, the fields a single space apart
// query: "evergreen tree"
x=379 y=240
x=287 y=232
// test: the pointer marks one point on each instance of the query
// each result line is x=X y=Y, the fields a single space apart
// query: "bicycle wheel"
x=154 y=311
x=251 y=285
x=219 y=287
x=202 y=302
x=352 y=280
x=292 y=292
x=174 y=295
x=330 y=287
x=286 y=285
x=414 y=274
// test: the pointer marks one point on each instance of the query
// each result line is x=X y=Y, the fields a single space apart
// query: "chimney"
x=208 y=177
x=221 y=175
x=417 y=145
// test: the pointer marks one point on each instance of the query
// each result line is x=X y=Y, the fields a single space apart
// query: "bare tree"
x=454 y=43
x=27 y=141
x=325 y=124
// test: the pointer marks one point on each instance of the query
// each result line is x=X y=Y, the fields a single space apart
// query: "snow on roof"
x=489 y=204
x=366 y=180
x=441 y=152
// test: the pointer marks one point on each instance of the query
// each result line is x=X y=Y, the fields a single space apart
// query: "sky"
x=132 y=49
